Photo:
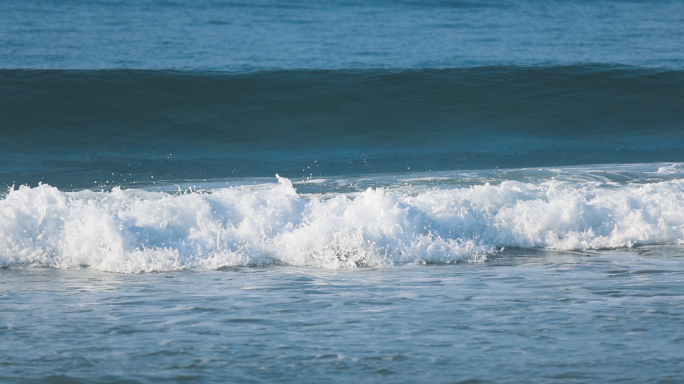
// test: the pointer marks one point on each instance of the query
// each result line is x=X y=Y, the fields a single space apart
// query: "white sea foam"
x=677 y=168
x=137 y=231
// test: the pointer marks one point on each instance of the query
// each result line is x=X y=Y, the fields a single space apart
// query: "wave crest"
x=135 y=231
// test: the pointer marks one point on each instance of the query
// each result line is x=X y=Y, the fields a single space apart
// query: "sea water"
x=437 y=191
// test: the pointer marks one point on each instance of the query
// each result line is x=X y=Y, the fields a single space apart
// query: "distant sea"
x=384 y=191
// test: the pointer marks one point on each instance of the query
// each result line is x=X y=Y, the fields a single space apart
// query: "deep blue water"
x=395 y=191
x=267 y=34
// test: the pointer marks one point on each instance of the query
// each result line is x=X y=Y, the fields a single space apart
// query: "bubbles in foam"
x=138 y=231
x=673 y=169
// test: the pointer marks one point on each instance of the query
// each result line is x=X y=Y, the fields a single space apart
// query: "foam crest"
x=674 y=169
x=135 y=231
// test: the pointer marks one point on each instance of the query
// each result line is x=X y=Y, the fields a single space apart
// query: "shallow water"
x=530 y=316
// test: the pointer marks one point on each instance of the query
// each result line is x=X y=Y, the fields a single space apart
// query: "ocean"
x=385 y=191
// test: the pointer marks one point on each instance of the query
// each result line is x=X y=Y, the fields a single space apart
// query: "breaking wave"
x=134 y=231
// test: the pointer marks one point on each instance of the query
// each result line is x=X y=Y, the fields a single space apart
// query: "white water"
x=136 y=231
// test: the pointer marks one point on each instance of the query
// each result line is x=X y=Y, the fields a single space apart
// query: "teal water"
x=76 y=129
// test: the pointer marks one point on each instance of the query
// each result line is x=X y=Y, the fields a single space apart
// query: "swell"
x=76 y=107
x=179 y=123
